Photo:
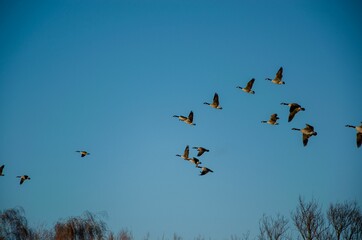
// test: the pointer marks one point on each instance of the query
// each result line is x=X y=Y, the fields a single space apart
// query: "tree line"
x=341 y=221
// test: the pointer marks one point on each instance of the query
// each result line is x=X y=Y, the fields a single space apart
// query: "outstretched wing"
x=216 y=99
x=293 y=106
x=309 y=128
x=200 y=151
x=191 y=116
x=186 y=152
x=359 y=139
x=291 y=115
x=274 y=117
x=305 y=139
x=279 y=74
x=250 y=84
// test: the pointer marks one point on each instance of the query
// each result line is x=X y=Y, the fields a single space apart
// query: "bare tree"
x=176 y=237
x=273 y=229
x=344 y=218
x=309 y=220
x=245 y=236
x=125 y=234
x=13 y=225
x=42 y=233
x=86 y=227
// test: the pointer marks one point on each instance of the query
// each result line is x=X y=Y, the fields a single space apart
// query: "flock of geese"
x=294 y=108
x=23 y=178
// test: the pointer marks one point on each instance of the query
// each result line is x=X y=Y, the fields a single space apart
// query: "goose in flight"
x=278 y=77
x=188 y=120
x=248 y=87
x=195 y=161
x=308 y=131
x=1 y=170
x=273 y=119
x=204 y=170
x=359 y=133
x=185 y=156
x=83 y=153
x=215 y=103
x=294 y=108
x=201 y=150
x=23 y=178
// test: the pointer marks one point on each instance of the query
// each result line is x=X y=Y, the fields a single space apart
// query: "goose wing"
x=205 y=170
x=201 y=151
x=279 y=74
x=182 y=118
x=359 y=139
x=191 y=117
x=292 y=114
x=250 y=84
x=186 y=152
x=274 y=117
x=309 y=128
x=22 y=179
x=293 y=106
x=305 y=139
x=216 y=99
x=1 y=169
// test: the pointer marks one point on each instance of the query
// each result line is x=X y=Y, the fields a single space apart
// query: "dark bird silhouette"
x=249 y=86
x=1 y=170
x=23 y=178
x=215 y=103
x=294 y=108
x=201 y=150
x=359 y=134
x=185 y=155
x=308 y=131
x=204 y=170
x=272 y=120
x=195 y=161
x=83 y=153
x=278 y=77
x=188 y=120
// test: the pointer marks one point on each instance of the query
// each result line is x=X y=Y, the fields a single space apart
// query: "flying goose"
x=204 y=170
x=83 y=153
x=195 y=161
x=278 y=77
x=359 y=133
x=200 y=150
x=185 y=156
x=294 y=109
x=308 y=131
x=188 y=120
x=23 y=178
x=248 y=87
x=273 y=119
x=1 y=170
x=215 y=103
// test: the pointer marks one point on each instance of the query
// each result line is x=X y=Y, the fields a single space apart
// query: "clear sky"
x=107 y=77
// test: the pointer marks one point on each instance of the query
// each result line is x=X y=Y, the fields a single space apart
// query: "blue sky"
x=107 y=77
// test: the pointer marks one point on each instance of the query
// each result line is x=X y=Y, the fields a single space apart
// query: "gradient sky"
x=107 y=77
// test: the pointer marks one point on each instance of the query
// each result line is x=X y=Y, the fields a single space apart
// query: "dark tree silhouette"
x=346 y=220
x=124 y=234
x=273 y=229
x=13 y=225
x=309 y=221
x=78 y=228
